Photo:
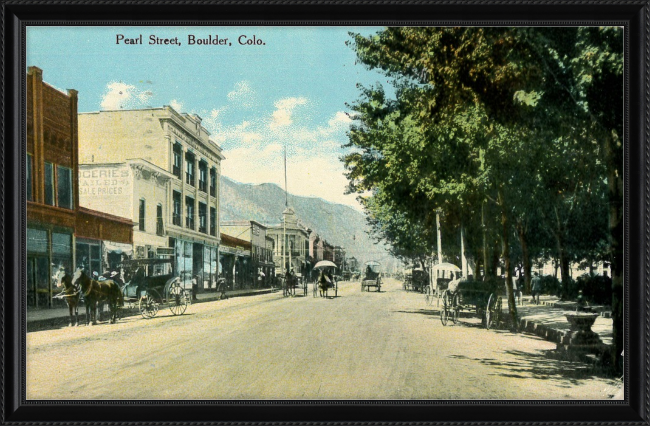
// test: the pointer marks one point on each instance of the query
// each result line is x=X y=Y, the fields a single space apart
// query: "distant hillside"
x=337 y=223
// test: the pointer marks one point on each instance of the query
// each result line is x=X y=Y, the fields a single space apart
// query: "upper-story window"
x=213 y=182
x=189 y=212
x=159 y=220
x=213 y=221
x=142 y=210
x=178 y=160
x=176 y=217
x=64 y=187
x=203 y=176
x=189 y=169
x=30 y=181
x=203 y=218
x=49 y=184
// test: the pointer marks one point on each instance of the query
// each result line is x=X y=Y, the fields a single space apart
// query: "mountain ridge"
x=338 y=224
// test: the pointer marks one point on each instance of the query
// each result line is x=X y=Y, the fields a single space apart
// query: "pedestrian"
x=536 y=287
x=195 y=286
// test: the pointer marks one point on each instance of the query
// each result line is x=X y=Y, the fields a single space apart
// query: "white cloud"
x=339 y=120
x=178 y=106
x=283 y=115
x=118 y=95
x=243 y=95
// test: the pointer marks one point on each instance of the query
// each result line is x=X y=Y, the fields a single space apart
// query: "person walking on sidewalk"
x=536 y=288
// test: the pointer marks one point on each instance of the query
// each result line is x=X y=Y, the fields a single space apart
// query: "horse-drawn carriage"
x=484 y=298
x=417 y=280
x=326 y=279
x=441 y=275
x=153 y=284
x=372 y=276
x=292 y=282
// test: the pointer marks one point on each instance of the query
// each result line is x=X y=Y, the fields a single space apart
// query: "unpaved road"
x=358 y=346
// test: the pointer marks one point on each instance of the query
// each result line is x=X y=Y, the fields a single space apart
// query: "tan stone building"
x=177 y=168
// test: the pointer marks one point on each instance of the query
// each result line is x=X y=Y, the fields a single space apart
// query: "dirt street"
x=366 y=345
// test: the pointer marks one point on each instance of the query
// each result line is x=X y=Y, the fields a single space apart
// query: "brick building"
x=55 y=223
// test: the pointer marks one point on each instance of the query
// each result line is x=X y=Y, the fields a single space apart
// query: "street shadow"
x=541 y=364
x=427 y=312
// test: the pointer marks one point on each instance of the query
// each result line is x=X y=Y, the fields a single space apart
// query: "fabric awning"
x=121 y=248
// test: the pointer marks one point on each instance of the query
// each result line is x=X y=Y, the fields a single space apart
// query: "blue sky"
x=253 y=99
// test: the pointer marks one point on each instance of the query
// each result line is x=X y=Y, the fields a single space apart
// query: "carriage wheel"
x=444 y=311
x=148 y=306
x=493 y=312
x=455 y=308
x=177 y=300
x=428 y=297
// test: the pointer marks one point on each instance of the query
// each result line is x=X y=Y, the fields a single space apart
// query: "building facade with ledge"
x=180 y=161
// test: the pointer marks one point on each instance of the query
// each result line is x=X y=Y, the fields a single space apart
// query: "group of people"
x=108 y=275
x=535 y=287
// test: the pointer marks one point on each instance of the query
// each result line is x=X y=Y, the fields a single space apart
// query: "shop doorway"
x=38 y=282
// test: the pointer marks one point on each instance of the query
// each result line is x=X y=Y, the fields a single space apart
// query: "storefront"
x=196 y=259
x=47 y=251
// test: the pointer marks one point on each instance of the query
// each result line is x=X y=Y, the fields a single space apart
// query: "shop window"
x=49 y=184
x=203 y=176
x=178 y=160
x=213 y=182
x=213 y=221
x=141 y=215
x=176 y=218
x=203 y=218
x=64 y=187
x=36 y=241
x=30 y=183
x=189 y=212
x=159 y=220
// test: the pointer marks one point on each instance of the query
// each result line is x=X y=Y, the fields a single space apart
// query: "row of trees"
x=515 y=134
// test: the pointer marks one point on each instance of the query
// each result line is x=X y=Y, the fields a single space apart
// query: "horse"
x=98 y=291
x=324 y=283
x=70 y=293
x=290 y=285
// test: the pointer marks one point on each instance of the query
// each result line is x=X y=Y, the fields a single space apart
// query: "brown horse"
x=98 y=291
x=71 y=293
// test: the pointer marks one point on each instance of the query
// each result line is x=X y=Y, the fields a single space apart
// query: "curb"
x=599 y=358
x=63 y=321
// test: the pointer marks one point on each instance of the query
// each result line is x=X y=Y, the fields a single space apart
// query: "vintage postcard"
x=324 y=213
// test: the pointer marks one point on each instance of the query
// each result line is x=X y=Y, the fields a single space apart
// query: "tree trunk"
x=614 y=155
x=512 y=306
x=564 y=266
x=526 y=257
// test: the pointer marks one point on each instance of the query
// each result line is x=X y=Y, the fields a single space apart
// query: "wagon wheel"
x=455 y=307
x=176 y=299
x=444 y=311
x=493 y=312
x=428 y=296
x=148 y=304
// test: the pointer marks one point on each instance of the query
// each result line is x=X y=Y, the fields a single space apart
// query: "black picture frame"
x=633 y=15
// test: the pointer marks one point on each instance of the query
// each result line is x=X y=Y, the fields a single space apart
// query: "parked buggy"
x=154 y=284
x=484 y=298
